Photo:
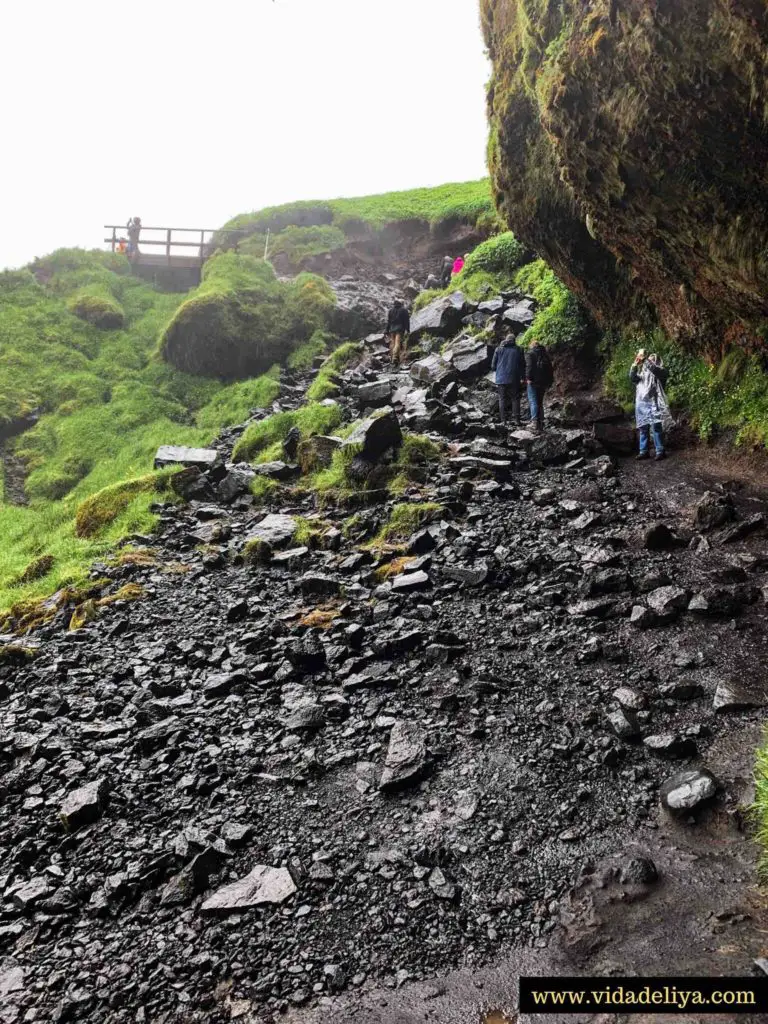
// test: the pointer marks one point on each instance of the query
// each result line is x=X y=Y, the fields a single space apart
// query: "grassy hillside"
x=313 y=227
x=106 y=402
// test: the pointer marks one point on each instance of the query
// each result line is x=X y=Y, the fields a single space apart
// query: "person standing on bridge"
x=398 y=326
x=133 y=228
x=649 y=375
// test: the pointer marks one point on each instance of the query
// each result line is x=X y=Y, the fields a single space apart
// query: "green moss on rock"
x=96 y=306
x=241 y=319
x=628 y=148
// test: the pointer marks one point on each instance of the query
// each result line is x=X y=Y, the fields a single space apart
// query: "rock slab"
x=406 y=759
x=263 y=884
x=174 y=455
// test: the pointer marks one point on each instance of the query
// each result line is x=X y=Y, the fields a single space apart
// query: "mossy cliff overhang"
x=629 y=146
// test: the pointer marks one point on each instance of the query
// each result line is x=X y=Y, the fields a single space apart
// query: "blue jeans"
x=658 y=438
x=536 y=403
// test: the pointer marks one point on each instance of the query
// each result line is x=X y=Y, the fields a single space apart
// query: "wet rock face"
x=584 y=178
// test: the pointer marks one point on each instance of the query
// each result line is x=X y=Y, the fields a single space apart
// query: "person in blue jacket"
x=509 y=364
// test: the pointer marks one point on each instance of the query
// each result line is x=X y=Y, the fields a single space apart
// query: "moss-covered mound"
x=96 y=306
x=241 y=319
x=628 y=147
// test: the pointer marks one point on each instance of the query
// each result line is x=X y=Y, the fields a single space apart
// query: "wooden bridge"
x=166 y=267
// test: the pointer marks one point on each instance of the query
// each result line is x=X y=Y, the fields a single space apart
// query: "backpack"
x=546 y=371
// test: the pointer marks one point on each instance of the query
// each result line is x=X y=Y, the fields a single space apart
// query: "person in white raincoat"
x=651 y=406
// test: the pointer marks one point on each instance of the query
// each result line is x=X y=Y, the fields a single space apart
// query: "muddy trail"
x=344 y=781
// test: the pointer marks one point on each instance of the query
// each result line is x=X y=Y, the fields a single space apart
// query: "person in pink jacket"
x=458 y=265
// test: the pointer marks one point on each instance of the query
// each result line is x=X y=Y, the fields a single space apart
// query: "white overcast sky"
x=187 y=113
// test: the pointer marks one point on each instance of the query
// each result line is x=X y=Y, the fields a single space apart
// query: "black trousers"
x=509 y=402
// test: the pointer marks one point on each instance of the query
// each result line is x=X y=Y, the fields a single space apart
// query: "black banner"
x=644 y=995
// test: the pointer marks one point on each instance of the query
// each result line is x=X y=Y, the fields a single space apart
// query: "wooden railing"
x=121 y=231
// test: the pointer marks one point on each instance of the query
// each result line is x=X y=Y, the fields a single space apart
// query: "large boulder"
x=713 y=510
x=374 y=394
x=441 y=318
x=469 y=357
x=432 y=370
x=685 y=791
x=622 y=223
x=519 y=315
x=361 y=306
x=375 y=435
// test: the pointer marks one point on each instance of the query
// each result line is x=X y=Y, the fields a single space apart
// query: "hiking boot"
x=659 y=456
x=642 y=455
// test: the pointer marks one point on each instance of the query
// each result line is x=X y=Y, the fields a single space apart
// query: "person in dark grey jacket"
x=539 y=375
x=509 y=364
x=398 y=326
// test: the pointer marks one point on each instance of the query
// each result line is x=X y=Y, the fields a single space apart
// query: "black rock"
x=307 y=654
x=639 y=871
x=658 y=537
x=406 y=760
x=442 y=317
x=713 y=510
x=84 y=805
x=686 y=791
x=670 y=745
x=375 y=435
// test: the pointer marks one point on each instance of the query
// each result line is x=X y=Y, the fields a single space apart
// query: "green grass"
x=467 y=202
x=48 y=529
x=312 y=418
x=323 y=385
x=416 y=454
x=760 y=807
x=304 y=356
x=489 y=269
x=107 y=402
x=560 y=319
x=405 y=519
x=297 y=243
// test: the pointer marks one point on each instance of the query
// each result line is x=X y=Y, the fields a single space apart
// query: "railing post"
x=168 y=245
x=202 y=243
x=114 y=238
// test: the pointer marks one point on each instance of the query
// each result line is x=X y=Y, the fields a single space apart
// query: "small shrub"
x=501 y=254
x=323 y=385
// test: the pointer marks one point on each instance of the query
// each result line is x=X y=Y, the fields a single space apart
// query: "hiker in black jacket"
x=539 y=376
x=398 y=326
